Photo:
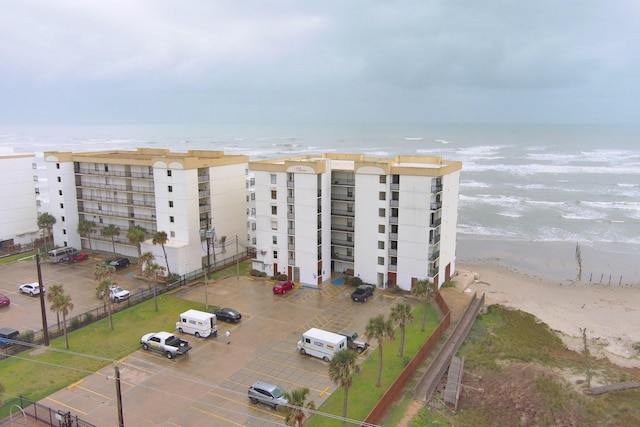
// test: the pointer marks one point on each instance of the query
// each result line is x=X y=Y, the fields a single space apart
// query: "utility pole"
x=237 y=260
x=45 y=328
x=119 y=398
x=207 y=234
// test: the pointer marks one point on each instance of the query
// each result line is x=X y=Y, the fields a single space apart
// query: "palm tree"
x=401 y=314
x=111 y=231
x=160 y=238
x=145 y=259
x=52 y=294
x=62 y=304
x=136 y=235
x=85 y=229
x=46 y=221
x=151 y=271
x=381 y=330
x=297 y=402
x=341 y=370
x=423 y=289
x=102 y=293
x=103 y=271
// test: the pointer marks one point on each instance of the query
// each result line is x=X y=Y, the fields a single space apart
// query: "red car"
x=78 y=256
x=282 y=287
x=4 y=300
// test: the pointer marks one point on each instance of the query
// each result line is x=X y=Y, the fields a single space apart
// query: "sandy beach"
x=547 y=288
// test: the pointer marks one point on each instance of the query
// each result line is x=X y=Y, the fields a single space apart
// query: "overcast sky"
x=426 y=61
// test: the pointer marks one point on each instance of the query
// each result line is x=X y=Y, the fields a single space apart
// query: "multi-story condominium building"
x=185 y=195
x=18 y=208
x=387 y=221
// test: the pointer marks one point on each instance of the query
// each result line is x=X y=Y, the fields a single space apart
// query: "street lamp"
x=209 y=235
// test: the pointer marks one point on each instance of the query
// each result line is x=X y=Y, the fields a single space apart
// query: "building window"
x=171 y=219
x=382 y=195
x=380 y=260
x=37 y=190
x=380 y=228
x=172 y=234
x=253 y=196
x=59 y=192
x=383 y=179
x=35 y=166
x=170 y=188
x=253 y=240
x=57 y=165
x=62 y=218
x=64 y=231
x=170 y=203
x=275 y=254
x=99 y=206
x=274 y=225
x=253 y=226
x=168 y=172
x=274 y=194
x=106 y=168
x=95 y=167
x=273 y=178
x=382 y=212
x=106 y=180
x=274 y=210
x=274 y=240
x=59 y=179
x=380 y=244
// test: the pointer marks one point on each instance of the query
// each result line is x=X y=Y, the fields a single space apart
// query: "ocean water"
x=541 y=183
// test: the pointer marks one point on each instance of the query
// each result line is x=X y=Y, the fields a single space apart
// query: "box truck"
x=198 y=323
x=321 y=344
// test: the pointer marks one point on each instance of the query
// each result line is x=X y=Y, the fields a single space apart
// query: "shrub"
x=75 y=323
x=262 y=274
x=356 y=281
x=88 y=318
x=173 y=277
x=255 y=273
x=26 y=336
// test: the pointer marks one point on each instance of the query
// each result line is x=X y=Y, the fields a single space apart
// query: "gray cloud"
x=432 y=60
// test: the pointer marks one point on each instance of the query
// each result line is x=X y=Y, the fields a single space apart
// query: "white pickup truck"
x=166 y=343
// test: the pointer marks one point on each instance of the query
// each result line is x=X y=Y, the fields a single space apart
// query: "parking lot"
x=209 y=385
x=76 y=278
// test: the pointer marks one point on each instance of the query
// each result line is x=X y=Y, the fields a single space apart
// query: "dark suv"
x=361 y=293
x=119 y=263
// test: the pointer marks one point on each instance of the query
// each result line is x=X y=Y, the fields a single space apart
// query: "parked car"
x=31 y=288
x=269 y=394
x=117 y=294
x=4 y=300
x=7 y=334
x=228 y=314
x=282 y=287
x=119 y=263
x=361 y=293
x=77 y=256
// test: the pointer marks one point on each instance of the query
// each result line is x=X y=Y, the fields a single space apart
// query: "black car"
x=228 y=314
x=361 y=293
x=119 y=263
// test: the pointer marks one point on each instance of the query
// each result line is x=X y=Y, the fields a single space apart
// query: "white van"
x=198 y=323
x=321 y=344
x=60 y=254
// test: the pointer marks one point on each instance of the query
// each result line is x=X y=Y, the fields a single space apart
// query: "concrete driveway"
x=208 y=386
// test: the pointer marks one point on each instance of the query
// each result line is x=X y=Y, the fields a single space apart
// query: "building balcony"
x=339 y=242
x=393 y=267
x=117 y=201
x=393 y=236
x=436 y=188
x=342 y=212
x=291 y=261
x=123 y=174
x=291 y=215
x=433 y=272
x=436 y=223
x=116 y=214
x=117 y=187
x=291 y=246
x=291 y=184
x=347 y=182
x=435 y=240
x=395 y=187
x=343 y=197
x=436 y=205
x=393 y=220
x=393 y=252
x=394 y=203
x=291 y=231
x=291 y=200
x=204 y=193
x=342 y=227
x=203 y=178
x=434 y=256
x=342 y=257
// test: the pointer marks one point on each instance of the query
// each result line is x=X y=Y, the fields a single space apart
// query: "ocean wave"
x=540 y=169
x=510 y=214
x=474 y=184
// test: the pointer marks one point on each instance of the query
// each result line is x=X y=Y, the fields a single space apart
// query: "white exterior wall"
x=450 y=193
x=306 y=225
x=63 y=207
x=413 y=229
x=367 y=220
x=18 y=208
x=263 y=219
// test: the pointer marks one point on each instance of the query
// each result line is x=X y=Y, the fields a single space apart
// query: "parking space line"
x=292 y=367
x=66 y=406
x=94 y=392
x=325 y=391
x=214 y=415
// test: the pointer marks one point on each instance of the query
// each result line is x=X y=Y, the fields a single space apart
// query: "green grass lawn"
x=364 y=390
x=36 y=374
